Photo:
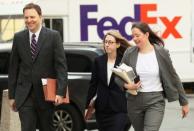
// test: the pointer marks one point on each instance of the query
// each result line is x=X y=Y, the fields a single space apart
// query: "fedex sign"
x=140 y=14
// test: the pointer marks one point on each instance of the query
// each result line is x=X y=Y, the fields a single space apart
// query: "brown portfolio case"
x=50 y=91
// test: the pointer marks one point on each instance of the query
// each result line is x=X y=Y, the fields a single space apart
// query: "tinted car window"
x=75 y=63
x=4 y=63
x=78 y=63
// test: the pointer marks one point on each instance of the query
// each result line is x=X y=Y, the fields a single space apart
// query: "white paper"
x=44 y=81
x=127 y=74
x=125 y=67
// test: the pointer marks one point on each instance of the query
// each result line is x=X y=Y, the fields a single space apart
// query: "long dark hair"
x=144 y=27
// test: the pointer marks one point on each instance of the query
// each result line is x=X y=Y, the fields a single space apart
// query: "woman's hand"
x=132 y=86
x=185 y=110
x=89 y=113
x=90 y=110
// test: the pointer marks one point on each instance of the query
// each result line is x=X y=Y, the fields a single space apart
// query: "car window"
x=75 y=63
x=4 y=63
x=78 y=63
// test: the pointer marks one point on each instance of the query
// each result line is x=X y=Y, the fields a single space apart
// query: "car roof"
x=6 y=47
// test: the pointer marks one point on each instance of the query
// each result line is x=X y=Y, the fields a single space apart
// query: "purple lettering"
x=102 y=27
x=85 y=21
x=127 y=19
x=122 y=26
x=137 y=12
x=105 y=23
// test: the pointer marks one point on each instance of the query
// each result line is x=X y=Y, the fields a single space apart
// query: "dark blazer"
x=25 y=73
x=171 y=83
x=110 y=98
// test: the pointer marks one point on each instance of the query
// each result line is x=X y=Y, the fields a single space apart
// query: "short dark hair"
x=33 y=6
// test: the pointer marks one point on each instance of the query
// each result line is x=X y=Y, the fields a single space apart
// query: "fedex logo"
x=140 y=14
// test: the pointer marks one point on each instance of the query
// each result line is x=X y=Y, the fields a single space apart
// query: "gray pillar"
x=9 y=119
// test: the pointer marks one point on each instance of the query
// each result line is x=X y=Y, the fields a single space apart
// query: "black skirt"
x=112 y=121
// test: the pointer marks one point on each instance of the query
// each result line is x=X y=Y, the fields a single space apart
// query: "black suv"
x=80 y=58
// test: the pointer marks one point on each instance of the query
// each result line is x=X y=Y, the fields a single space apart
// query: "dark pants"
x=112 y=121
x=30 y=115
x=146 y=110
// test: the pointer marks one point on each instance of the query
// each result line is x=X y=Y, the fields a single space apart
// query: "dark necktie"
x=33 y=46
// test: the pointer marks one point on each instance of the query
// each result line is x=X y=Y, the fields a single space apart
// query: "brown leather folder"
x=50 y=91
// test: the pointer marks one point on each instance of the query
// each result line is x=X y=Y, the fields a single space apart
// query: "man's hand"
x=12 y=104
x=58 y=100
x=185 y=110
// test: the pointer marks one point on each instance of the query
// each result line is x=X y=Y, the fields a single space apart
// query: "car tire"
x=67 y=118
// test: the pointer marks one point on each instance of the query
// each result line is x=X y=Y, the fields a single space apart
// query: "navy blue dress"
x=111 y=103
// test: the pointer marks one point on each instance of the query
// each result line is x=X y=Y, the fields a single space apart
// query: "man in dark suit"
x=37 y=53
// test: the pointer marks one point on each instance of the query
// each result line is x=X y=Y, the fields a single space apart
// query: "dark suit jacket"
x=110 y=98
x=171 y=83
x=24 y=73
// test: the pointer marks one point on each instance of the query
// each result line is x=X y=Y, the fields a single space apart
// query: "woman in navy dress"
x=110 y=104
